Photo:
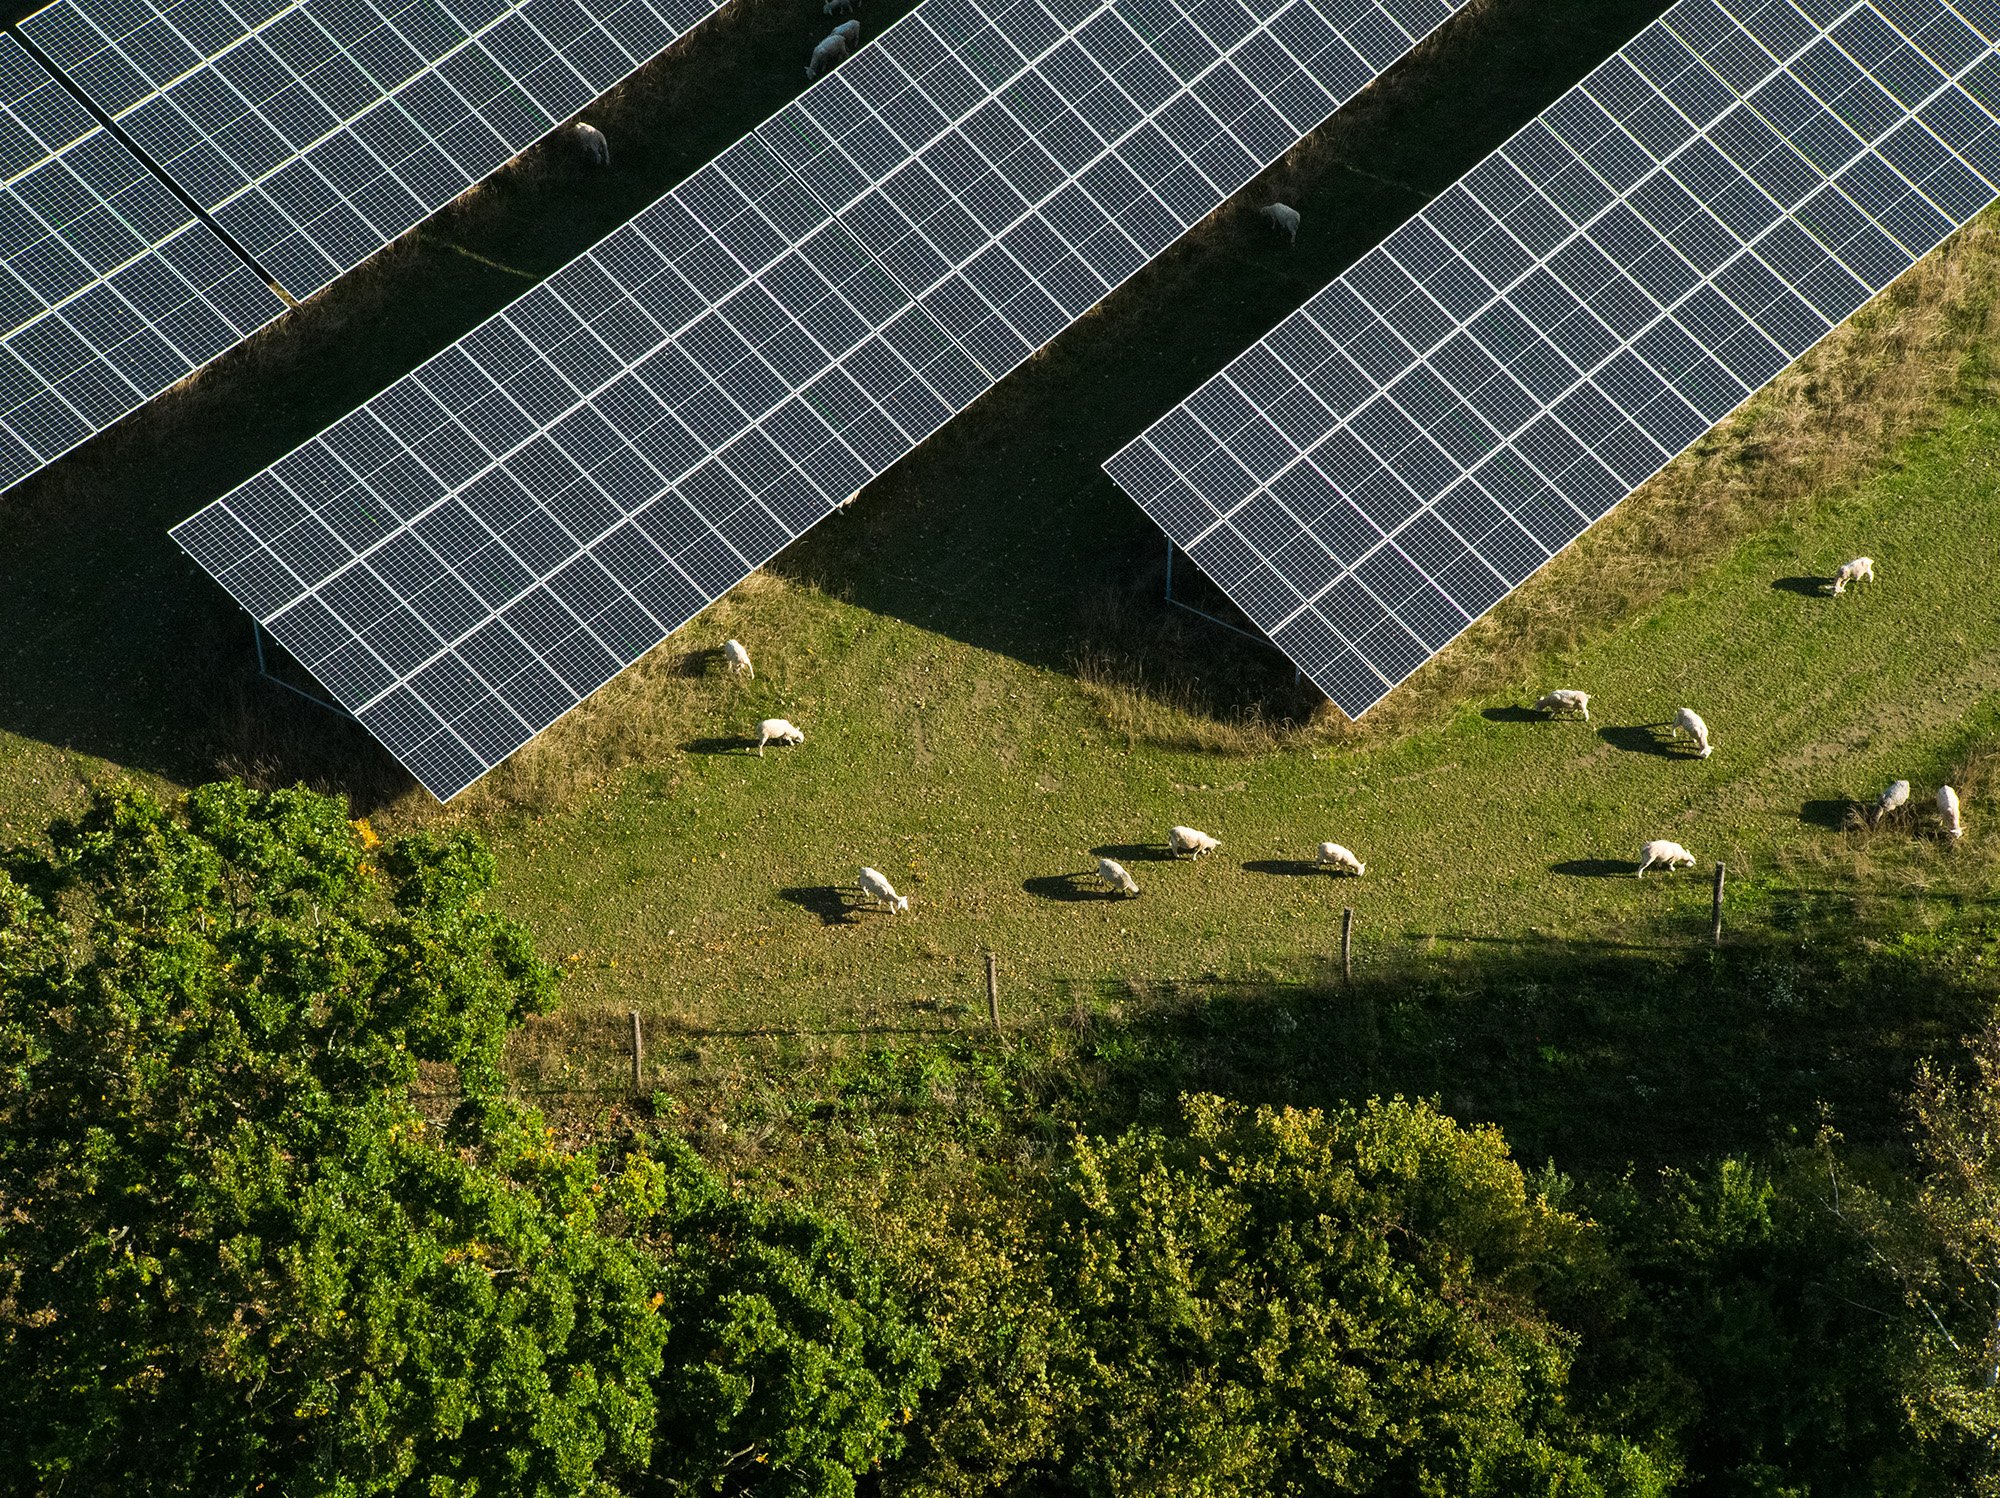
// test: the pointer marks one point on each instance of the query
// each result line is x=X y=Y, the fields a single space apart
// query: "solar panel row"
x=317 y=132
x=1469 y=397
x=493 y=538
x=110 y=290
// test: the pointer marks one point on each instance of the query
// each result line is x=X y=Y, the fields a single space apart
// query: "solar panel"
x=497 y=535
x=110 y=290
x=1473 y=394
x=317 y=132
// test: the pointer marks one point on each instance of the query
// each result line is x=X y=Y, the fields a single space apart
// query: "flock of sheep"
x=1189 y=842
x=878 y=893
x=1668 y=855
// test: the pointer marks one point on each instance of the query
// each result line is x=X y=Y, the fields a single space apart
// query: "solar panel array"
x=493 y=538
x=317 y=132
x=1473 y=394
x=110 y=290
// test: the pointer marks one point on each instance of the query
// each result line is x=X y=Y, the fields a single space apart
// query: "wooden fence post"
x=638 y=1057
x=1715 y=909
x=993 y=989
x=1347 y=944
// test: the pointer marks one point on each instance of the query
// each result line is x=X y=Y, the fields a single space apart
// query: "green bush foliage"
x=235 y=1254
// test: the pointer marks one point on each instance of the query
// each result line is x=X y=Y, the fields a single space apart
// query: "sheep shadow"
x=1837 y=814
x=735 y=744
x=1080 y=888
x=1641 y=738
x=1136 y=852
x=1805 y=587
x=1284 y=868
x=1593 y=868
x=1514 y=714
x=830 y=902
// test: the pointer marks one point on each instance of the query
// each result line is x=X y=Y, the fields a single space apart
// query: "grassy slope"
x=980 y=784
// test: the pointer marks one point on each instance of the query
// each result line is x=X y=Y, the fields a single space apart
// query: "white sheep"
x=1688 y=721
x=1341 y=860
x=1111 y=874
x=737 y=657
x=842 y=40
x=1860 y=570
x=1564 y=700
x=592 y=141
x=1669 y=856
x=876 y=890
x=778 y=731
x=1186 y=840
x=1890 y=800
x=1948 y=813
x=1283 y=218
x=840 y=7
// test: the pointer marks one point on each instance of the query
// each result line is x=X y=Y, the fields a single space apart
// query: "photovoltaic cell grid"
x=110 y=291
x=318 y=132
x=1424 y=434
x=493 y=538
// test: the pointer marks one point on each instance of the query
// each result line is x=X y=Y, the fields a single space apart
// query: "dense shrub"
x=235 y=1254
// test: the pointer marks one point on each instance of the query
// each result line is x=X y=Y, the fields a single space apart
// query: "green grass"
x=989 y=684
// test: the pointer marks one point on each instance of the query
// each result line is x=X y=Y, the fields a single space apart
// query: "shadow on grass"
x=1283 y=868
x=1805 y=587
x=1069 y=889
x=728 y=744
x=1537 y=939
x=1514 y=714
x=1594 y=1056
x=1641 y=738
x=1136 y=852
x=1593 y=868
x=829 y=902
x=1835 y=814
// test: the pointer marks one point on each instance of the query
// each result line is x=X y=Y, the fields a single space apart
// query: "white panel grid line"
x=110 y=291
x=320 y=132
x=1382 y=578
x=845 y=374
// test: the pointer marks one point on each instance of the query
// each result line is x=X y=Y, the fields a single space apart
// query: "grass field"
x=990 y=686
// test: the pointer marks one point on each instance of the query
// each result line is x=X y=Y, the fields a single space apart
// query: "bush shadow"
x=830 y=902
x=1805 y=587
x=1593 y=868
x=1284 y=868
x=1641 y=738
x=1068 y=889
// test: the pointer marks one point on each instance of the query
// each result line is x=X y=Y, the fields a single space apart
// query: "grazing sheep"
x=1341 y=860
x=1186 y=840
x=1688 y=721
x=1111 y=874
x=876 y=890
x=1564 y=700
x=1891 y=800
x=1669 y=856
x=778 y=731
x=1948 y=813
x=840 y=7
x=592 y=141
x=842 y=40
x=1284 y=218
x=1860 y=570
x=738 y=658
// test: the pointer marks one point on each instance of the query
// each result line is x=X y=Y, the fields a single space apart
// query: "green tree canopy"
x=235 y=1254
x=1317 y=1303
